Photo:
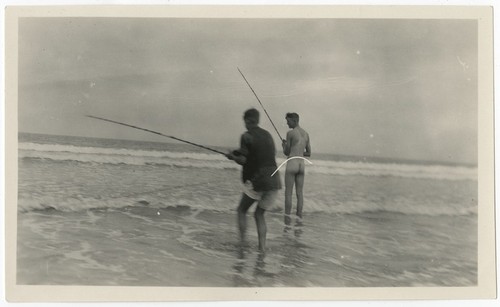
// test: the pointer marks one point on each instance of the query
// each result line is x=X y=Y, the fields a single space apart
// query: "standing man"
x=257 y=155
x=296 y=145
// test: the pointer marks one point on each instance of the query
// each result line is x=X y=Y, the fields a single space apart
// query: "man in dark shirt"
x=257 y=156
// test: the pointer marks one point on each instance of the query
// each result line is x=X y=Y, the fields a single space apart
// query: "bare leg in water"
x=299 y=187
x=245 y=204
x=261 y=228
x=294 y=175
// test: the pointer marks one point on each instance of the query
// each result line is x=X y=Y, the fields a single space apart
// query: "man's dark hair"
x=252 y=115
x=292 y=116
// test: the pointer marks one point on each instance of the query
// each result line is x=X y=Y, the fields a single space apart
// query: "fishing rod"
x=260 y=104
x=158 y=133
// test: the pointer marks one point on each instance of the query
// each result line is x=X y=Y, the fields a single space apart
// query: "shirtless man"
x=296 y=145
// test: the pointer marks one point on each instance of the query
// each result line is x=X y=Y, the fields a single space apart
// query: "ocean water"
x=129 y=213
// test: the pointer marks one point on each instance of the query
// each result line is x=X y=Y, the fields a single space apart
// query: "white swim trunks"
x=265 y=198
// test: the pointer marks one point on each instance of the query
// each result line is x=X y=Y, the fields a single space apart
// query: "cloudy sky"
x=385 y=88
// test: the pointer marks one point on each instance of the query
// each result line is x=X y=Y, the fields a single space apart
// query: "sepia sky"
x=385 y=88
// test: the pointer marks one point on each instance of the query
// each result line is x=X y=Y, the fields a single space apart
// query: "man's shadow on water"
x=258 y=276
x=292 y=251
x=297 y=230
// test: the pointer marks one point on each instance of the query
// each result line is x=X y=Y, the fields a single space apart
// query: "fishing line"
x=158 y=133
x=260 y=104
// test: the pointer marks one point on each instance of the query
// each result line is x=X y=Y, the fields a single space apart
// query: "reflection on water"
x=295 y=257
x=279 y=266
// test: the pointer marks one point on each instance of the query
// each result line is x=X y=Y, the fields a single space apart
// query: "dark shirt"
x=257 y=146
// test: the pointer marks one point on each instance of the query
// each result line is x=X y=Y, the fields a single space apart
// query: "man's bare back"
x=298 y=139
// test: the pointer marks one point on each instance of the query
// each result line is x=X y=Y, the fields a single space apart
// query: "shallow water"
x=93 y=220
x=182 y=247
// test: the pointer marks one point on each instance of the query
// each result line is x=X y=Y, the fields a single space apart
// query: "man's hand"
x=237 y=157
x=230 y=155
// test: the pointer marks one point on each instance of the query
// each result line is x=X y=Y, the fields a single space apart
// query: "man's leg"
x=245 y=204
x=266 y=202
x=261 y=227
x=299 y=187
x=289 y=182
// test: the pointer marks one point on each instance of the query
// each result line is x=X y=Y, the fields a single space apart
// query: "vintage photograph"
x=253 y=152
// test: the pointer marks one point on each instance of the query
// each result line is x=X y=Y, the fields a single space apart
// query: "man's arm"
x=307 y=153
x=286 y=144
x=239 y=155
